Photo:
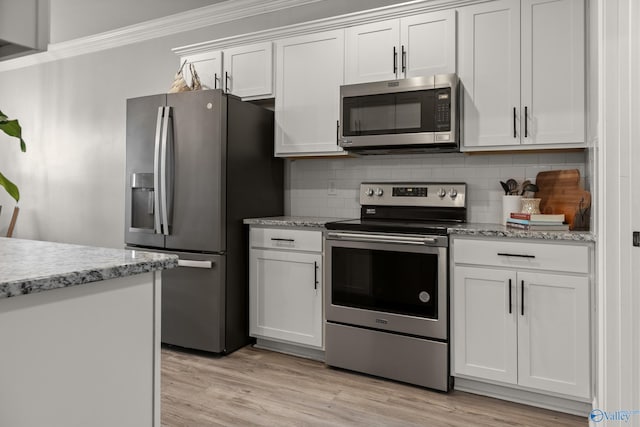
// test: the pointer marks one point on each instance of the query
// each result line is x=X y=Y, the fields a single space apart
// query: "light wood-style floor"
x=254 y=387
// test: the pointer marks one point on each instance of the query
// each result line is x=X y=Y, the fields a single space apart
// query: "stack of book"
x=537 y=222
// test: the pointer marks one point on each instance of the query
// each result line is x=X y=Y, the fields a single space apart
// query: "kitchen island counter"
x=30 y=266
x=80 y=334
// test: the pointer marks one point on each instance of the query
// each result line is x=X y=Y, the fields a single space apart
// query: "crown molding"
x=218 y=13
x=336 y=22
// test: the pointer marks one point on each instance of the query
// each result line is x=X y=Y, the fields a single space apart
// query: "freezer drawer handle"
x=194 y=264
x=280 y=239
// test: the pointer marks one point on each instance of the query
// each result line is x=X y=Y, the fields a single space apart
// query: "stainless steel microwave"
x=409 y=115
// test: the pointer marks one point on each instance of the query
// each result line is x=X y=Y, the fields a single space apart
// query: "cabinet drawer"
x=537 y=256
x=286 y=239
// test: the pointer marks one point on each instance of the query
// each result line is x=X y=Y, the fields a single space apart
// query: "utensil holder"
x=510 y=203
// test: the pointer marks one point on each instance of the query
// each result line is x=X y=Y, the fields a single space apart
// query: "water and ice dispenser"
x=142 y=202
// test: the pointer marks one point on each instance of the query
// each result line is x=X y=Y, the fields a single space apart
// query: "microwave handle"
x=341 y=142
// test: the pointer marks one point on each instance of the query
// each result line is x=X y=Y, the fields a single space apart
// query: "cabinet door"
x=309 y=72
x=428 y=44
x=553 y=334
x=248 y=70
x=553 y=73
x=372 y=52
x=208 y=65
x=285 y=296
x=484 y=330
x=489 y=69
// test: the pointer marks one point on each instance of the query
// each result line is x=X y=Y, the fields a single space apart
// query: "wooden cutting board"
x=562 y=193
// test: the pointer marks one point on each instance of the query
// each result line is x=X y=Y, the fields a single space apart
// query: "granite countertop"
x=499 y=230
x=291 y=221
x=468 y=229
x=29 y=266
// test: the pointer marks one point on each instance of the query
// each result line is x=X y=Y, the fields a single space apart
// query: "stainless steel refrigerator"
x=197 y=164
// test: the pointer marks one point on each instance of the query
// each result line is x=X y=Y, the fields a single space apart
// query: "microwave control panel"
x=443 y=110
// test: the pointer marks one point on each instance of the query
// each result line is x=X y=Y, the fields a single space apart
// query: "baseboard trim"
x=523 y=396
x=291 y=349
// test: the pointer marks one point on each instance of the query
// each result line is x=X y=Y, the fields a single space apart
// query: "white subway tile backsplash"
x=309 y=179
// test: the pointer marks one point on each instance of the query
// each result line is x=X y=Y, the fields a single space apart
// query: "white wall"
x=310 y=180
x=73 y=115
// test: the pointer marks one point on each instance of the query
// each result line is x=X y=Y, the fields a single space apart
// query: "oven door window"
x=387 y=281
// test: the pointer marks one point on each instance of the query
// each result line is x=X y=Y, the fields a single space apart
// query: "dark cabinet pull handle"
x=279 y=239
x=215 y=80
x=510 y=310
x=404 y=59
x=395 y=60
x=226 y=82
x=515 y=134
x=315 y=275
x=522 y=297
x=337 y=131
x=516 y=255
x=526 y=116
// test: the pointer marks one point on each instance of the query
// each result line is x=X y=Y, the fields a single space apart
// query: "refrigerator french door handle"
x=163 y=172
x=156 y=173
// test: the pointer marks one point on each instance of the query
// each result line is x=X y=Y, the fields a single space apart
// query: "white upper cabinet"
x=309 y=72
x=372 y=52
x=553 y=71
x=522 y=68
x=244 y=71
x=418 y=45
x=430 y=44
x=248 y=70
x=208 y=65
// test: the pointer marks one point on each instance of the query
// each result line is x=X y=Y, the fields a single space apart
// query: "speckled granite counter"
x=97 y=346
x=291 y=221
x=469 y=229
x=30 y=266
x=498 y=230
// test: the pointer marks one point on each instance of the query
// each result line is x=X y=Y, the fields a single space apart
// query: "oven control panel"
x=423 y=194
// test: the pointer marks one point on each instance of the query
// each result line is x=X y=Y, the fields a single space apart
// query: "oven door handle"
x=417 y=240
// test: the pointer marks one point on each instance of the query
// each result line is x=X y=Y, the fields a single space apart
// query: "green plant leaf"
x=11 y=188
x=13 y=128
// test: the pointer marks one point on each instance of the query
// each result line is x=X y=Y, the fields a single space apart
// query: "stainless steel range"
x=387 y=285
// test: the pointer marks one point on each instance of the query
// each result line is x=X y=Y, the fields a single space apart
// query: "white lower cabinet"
x=516 y=324
x=285 y=286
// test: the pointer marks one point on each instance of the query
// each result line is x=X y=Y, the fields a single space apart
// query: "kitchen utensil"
x=513 y=186
x=505 y=187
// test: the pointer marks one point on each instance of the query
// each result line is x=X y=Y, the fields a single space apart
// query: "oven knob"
x=441 y=193
x=379 y=192
x=453 y=193
x=369 y=192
